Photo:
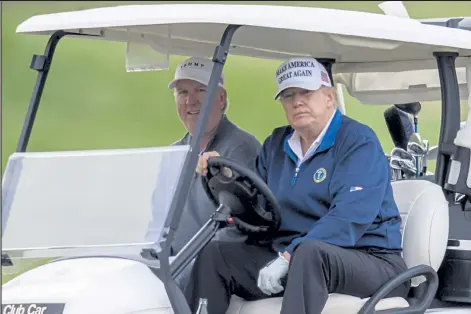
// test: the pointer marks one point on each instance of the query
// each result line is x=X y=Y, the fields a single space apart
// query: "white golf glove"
x=269 y=278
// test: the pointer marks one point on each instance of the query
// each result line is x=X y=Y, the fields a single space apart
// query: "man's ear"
x=331 y=96
x=222 y=99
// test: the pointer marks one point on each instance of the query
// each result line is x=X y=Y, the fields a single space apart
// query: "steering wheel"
x=254 y=208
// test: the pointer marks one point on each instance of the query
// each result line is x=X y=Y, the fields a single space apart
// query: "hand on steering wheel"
x=254 y=208
x=202 y=166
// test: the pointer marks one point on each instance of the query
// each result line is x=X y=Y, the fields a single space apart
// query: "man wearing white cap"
x=189 y=86
x=340 y=227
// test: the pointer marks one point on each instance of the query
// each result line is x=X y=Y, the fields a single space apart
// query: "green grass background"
x=90 y=102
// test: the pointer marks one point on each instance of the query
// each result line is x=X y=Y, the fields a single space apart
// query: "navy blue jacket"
x=341 y=195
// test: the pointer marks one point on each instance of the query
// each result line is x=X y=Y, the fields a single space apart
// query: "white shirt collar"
x=295 y=142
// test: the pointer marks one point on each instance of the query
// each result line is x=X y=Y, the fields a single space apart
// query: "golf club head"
x=419 y=153
x=416 y=138
x=401 y=153
x=401 y=159
x=416 y=150
x=432 y=153
x=407 y=166
x=396 y=171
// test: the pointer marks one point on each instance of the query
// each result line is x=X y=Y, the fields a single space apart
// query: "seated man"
x=340 y=227
x=189 y=85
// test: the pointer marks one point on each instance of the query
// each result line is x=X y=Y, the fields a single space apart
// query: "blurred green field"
x=90 y=102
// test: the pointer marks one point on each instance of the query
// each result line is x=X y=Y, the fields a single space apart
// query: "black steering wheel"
x=254 y=208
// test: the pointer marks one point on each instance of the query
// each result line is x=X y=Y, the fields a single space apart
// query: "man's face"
x=305 y=108
x=189 y=98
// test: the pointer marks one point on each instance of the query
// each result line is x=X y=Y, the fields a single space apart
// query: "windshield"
x=87 y=202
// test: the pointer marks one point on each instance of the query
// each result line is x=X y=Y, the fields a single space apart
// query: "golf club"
x=416 y=148
x=402 y=163
x=418 y=152
x=407 y=167
x=413 y=109
x=424 y=160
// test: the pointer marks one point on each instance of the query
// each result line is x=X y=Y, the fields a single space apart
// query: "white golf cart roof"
x=362 y=44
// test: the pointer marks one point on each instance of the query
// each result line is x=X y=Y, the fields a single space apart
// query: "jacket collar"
x=327 y=141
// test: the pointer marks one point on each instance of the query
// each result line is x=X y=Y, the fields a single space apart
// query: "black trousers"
x=316 y=269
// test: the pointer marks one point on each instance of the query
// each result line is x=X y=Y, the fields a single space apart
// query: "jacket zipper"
x=293 y=181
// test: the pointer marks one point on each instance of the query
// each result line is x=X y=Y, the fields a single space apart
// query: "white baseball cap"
x=306 y=73
x=196 y=69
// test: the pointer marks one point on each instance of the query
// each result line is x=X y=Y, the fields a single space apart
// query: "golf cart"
x=90 y=211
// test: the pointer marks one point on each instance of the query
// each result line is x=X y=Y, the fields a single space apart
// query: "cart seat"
x=424 y=210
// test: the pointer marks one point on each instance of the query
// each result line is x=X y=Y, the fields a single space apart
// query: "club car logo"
x=33 y=308
x=320 y=175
